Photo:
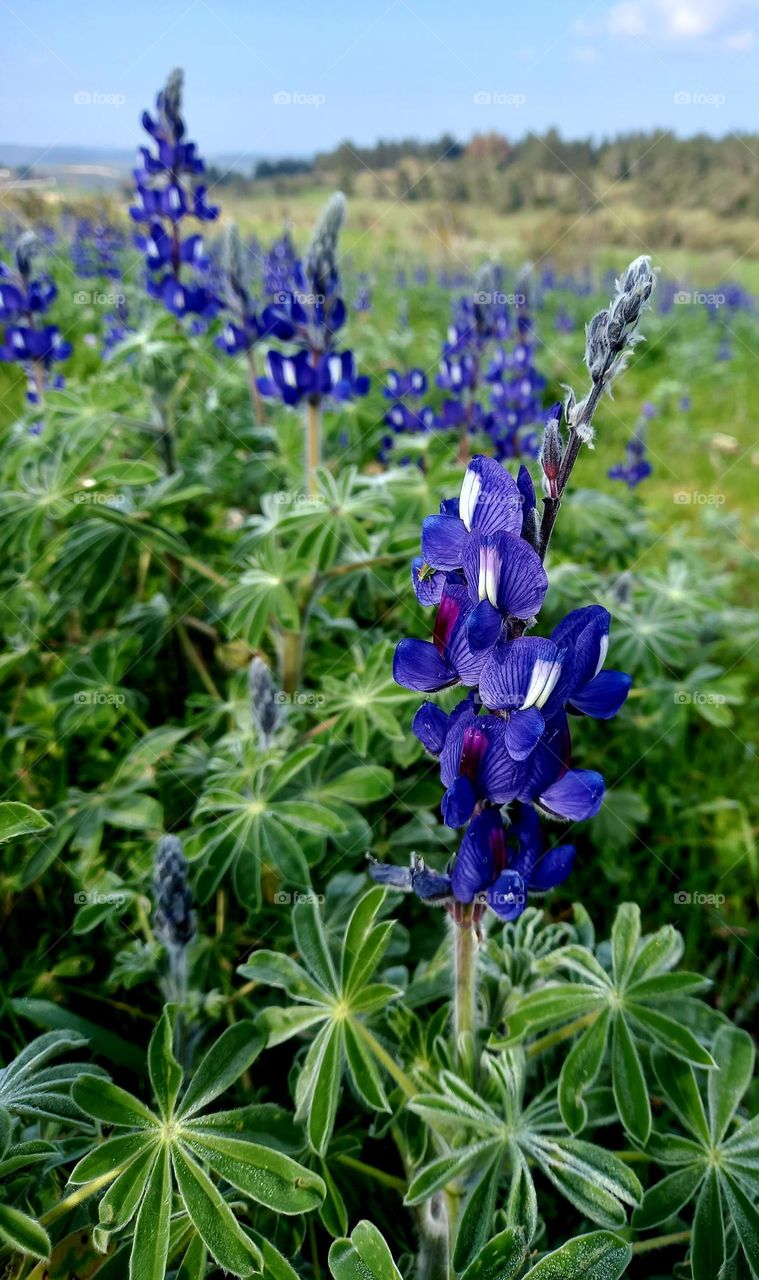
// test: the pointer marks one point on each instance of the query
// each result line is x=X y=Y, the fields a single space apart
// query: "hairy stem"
x=551 y=505
x=313 y=443
x=391 y=1066
x=465 y=965
x=255 y=394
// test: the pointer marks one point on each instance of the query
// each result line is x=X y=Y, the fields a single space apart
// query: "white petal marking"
x=470 y=490
x=602 y=652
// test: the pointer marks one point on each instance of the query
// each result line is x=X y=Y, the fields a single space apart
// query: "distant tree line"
x=655 y=170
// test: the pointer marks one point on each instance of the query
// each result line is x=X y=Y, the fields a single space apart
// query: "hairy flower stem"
x=465 y=965
x=551 y=505
x=391 y=1066
x=255 y=394
x=313 y=443
x=290 y=659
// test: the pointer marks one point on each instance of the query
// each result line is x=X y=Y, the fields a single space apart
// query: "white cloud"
x=684 y=23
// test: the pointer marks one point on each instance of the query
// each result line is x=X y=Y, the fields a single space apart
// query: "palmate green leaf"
x=593 y=1180
x=165 y=1072
x=279 y=970
x=110 y=1104
x=668 y=1197
x=365 y=1256
x=522 y=1204
x=708 y=1241
x=142 y=1163
x=600 y=1255
x=365 y=943
x=629 y=1084
x=474 y=1223
x=311 y=941
x=150 y=1247
x=444 y=1169
x=678 y=1084
x=112 y=1155
x=734 y=1055
x=547 y=1007
x=670 y=1035
x=364 y=784
x=318 y=1087
x=119 y=1204
x=213 y=1219
x=745 y=1217
x=22 y=1233
x=625 y=939
x=268 y=1176
x=18 y=819
x=363 y=1070
x=580 y=1070
x=500 y=1259
x=228 y=1057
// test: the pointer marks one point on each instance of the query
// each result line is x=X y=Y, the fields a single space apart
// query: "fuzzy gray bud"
x=321 y=258
x=26 y=247
x=235 y=266
x=633 y=291
x=174 y=917
x=170 y=102
x=264 y=707
x=486 y=287
x=597 y=346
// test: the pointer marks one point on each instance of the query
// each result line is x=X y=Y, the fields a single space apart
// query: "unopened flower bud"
x=597 y=347
x=321 y=258
x=264 y=708
x=553 y=448
x=174 y=917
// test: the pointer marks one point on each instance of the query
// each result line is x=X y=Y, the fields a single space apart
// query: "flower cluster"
x=24 y=299
x=169 y=190
x=309 y=312
x=508 y=740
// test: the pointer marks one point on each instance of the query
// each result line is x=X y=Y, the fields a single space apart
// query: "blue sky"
x=80 y=71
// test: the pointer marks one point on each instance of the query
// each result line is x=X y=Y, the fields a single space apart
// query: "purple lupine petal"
x=523 y=730
x=419 y=665
x=483 y=628
x=521 y=674
x=481 y=856
x=458 y=802
x=444 y=539
x=431 y=725
x=507 y=897
x=505 y=570
x=603 y=696
x=586 y=633
x=552 y=868
x=490 y=500
x=577 y=795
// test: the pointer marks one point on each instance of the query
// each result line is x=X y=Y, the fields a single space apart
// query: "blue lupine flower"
x=527 y=677
x=489 y=503
x=291 y=378
x=636 y=466
x=168 y=191
x=594 y=692
x=448 y=659
x=23 y=299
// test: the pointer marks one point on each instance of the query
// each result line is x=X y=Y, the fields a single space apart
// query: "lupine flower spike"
x=505 y=750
